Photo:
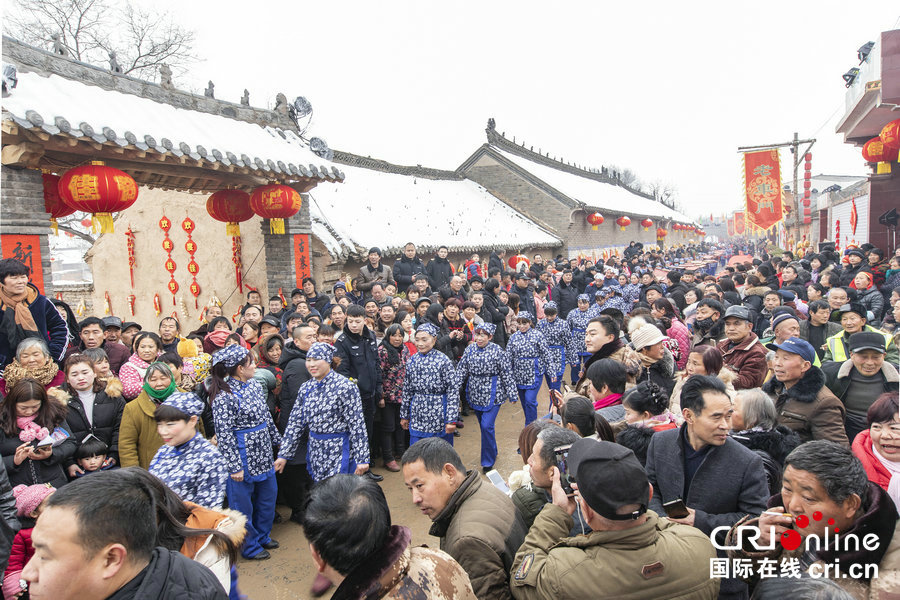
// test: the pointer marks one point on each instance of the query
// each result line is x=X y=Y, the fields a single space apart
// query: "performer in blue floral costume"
x=559 y=339
x=531 y=360
x=246 y=435
x=329 y=407
x=487 y=370
x=430 y=406
x=578 y=320
x=187 y=463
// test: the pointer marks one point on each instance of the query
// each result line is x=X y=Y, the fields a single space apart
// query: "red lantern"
x=623 y=222
x=890 y=135
x=875 y=151
x=595 y=219
x=170 y=265
x=53 y=204
x=275 y=202
x=647 y=224
x=100 y=190
x=173 y=288
x=661 y=233
x=190 y=246
x=193 y=267
x=231 y=207
x=195 y=289
x=168 y=245
x=676 y=226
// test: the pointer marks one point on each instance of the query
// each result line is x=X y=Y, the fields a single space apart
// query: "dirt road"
x=290 y=571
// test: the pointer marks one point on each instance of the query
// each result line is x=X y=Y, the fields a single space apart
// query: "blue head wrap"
x=488 y=328
x=321 y=351
x=429 y=328
x=187 y=403
x=230 y=355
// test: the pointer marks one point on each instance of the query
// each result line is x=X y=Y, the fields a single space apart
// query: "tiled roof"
x=387 y=210
x=62 y=106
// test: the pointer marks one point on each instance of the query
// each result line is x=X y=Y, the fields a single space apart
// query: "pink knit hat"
x=29 y=497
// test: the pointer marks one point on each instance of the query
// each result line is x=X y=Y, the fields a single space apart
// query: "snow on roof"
x=596 y=193
x=387 y=210
x=57 y=104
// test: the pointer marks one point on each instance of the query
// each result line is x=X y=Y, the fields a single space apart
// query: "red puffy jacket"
x=862 y=448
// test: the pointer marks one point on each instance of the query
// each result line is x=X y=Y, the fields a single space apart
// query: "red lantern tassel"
x=276 y=226
x=233 y=229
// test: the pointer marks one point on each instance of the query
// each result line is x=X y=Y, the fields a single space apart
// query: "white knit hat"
x=646 y=335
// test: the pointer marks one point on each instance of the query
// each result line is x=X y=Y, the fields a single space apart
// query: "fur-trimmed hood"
x=887 y=369
x=777 y=442
x=759 y=290
x=113 y=389
x=804 y=390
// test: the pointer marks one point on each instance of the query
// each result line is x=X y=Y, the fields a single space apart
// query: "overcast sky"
x=667 y=89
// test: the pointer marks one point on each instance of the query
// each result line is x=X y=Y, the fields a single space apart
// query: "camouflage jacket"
x=398 y=571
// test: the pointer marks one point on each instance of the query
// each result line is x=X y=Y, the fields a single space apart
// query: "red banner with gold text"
x=27 y=250
x=739 y=226
x=762 y=186
x=730 y=226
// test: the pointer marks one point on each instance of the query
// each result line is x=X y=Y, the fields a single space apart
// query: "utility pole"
x=794 y=146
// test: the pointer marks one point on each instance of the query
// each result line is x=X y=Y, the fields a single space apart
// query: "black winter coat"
x=32 y=472
x=359 y=360
x=439 y=272
x=107 y=415
x=171 y=574
x=850 y=272
x=404 y=269
x=566 y=296
x=51 y=327
x=496 y=314
x=495 y=262
x=526 y=298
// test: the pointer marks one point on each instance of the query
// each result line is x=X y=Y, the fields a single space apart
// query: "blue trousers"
x=574 y=373
x=528 y=398
x=486 y=419
x=413 y=438
x=256 y=500
x=554 y=386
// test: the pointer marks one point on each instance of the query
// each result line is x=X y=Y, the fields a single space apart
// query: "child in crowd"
x=92 y=456
x=29 y=500
x=187 y=462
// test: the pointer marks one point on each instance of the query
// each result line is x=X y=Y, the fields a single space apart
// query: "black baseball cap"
x=128 y=324
x=270 y=320
x=609 y=476
x=867 y=340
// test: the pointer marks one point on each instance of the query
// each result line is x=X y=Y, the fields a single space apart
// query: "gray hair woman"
x=32 y=361
x=754 y=424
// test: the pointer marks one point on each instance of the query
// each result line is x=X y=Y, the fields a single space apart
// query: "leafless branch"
x=91 y=29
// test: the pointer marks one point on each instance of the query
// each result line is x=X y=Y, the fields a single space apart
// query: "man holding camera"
x=630 y=552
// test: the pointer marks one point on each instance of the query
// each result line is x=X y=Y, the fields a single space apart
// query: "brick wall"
x=22 y=212
x=547 y=210
x=280 y=268
x=73 y=294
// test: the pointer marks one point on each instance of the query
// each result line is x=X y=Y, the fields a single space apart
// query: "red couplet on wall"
x=26 y=249
x=302 y=264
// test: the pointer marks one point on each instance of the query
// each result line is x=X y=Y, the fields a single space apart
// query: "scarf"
x=15 y=372
x=19 y=305
x=161 y=394
x=646 y=361
x=610 y=400
x=893 y=468
x=30 y=430
x=393 y=353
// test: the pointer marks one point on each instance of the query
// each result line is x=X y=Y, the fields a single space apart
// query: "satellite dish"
x=320 y=148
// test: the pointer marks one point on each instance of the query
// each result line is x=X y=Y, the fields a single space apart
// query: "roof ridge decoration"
x=31 y=58
x=376 y=164
x=602 y=175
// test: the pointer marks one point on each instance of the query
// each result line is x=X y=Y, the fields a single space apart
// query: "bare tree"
x=90 y=30
x=663 y=192
x=626 y=176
